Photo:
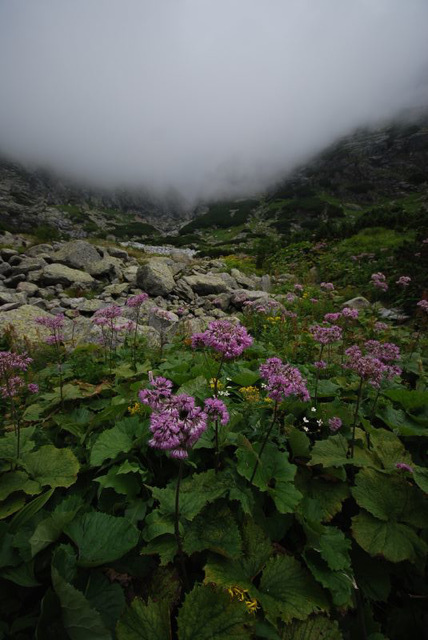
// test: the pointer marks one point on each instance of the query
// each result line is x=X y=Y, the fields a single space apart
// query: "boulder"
x=77 y=254
x=205 y=284
x=357 y=303
x=243 y=281
x=155 y=278
x=60 y=274
x=27 y=287
x=28 y=264
x=22 y=320
x=105 y=267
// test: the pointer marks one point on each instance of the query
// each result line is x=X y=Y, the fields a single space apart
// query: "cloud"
x=206 y=97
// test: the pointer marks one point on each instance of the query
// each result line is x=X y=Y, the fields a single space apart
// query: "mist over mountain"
x=200 y=99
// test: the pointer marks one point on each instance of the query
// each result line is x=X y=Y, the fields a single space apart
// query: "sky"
x=209 y=98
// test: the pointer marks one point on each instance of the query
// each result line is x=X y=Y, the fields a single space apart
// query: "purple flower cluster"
x=332 y=317
x=283 y=380
x=335 y=423
x=137 y=301
x=216 y=410
x=325 y=335
x=10 y=364
x=374 y=368
x=423 y=305
x=402 y=466
x=55 y=324
x=327 y=286
x=352 y=314
x=378 y=280
x=404 y=281
x=380 y=326
x=176 y=422
x=224 y=336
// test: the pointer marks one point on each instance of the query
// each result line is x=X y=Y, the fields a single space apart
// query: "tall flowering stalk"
x=282 y=381
x=107 y=320
x=372 y=367
x=324 y=336
x=135 y=303
x=228 y=339
x=56 y=338
x=12 y=384
x=176 y=424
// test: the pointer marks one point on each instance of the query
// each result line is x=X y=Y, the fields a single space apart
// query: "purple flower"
x=378 y=280
x=327 y=286
x=335 y=424
x=225 y=337
x=332 y=317
x=290 y=297
x=423 y=304
x=373 y=367
x=110 y=312
x=298 y=287
x=325 y=335
x=216 y=410
x=137 y=301
x=33 y=387
x=176 y=424
x=402 y=466
x=54 y=323
x=404 y=281
x=385 y=351
x=162 y=390
x=380 y=326
x=314 y=300
x=283 y=380
x=347 y=312
x=10 y=364
x=320 y=364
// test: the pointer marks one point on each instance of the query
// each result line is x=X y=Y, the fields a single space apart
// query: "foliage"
x=301 y=535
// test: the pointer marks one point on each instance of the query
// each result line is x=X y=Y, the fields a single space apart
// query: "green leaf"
x=315 y=628
x=400 y=422
x=101 y=538
x=112 y=442
x=197 y=387
x=30 y=509
x=81 y=621
x=215 y=529
x=392 y=540
x=388 y=448
x=8 y=443
x=17 y=481
x=390 y=498
x=332 y=452
x=50 y=529
x=145 y=622
x=327 y=388
x=339 y=583
x=245 y=377
x=52 y=467
x=322 y=500
x=22 y=575
x=274 y=475
x=334 y=548
x=75 y=422
x=420 y=476
x=371 y=575
x=122 y=483
x=299 y=443
x=208 y=613
x=106 y=597
x=408 y=399
x=158 y=524
x=288 y=591
x=11 y=505
x=164 y=546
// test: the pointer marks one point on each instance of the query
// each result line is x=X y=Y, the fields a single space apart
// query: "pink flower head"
x=385 y=351
x=378 y=280
x=137 y=300
x=320 y=364
x=402 y=466
x=225 y=337
x=373 y=367
x=161 y=391
x=313 y=300
x=332 y=317
x=176 y=424
x=423 y=305
x=298 y=287
x=283 y=380
x=325 y=335
x=109 y=313
x=290 y=297
x=404 y=281
x=33 y=387
x=347 y=312
x=10 y=364
x=54 y=323
x=216 y=410
x=380 y=326
x=335 y=424
x=327 y=286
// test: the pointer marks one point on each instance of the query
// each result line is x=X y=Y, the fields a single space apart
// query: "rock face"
x=155 y=278
x=77 y=255
x=60 y=274
x=22 y=321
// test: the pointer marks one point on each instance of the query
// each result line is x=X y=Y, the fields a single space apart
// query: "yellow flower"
x=220 y=385
x=243 y=596
x=136 y=408
x=251 y=394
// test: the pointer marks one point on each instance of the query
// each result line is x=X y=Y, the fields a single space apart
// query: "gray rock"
x=165 y=322
x=23 y=323
x=77 y=254
x=265 y=283
x=35 y=251
x=130 y=273
x=12 y=281
x=61 y=274
x=117 y=252
x=244 y=281
x=105 y=267
x=229 y=280
x=116 y=290
x=184 y=291
x=5 y=268
x=242 y=295
x=206 y=284
x=7 y=297
x=7 y=254
x=155 y=278
x=357 y=303
x=27 y=287
x=27 y=265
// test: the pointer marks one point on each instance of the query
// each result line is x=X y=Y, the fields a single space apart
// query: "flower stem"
x=265 y=441
x=354 y=426
x=176 y=525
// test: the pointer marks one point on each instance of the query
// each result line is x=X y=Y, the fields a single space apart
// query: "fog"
x=207 y=97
